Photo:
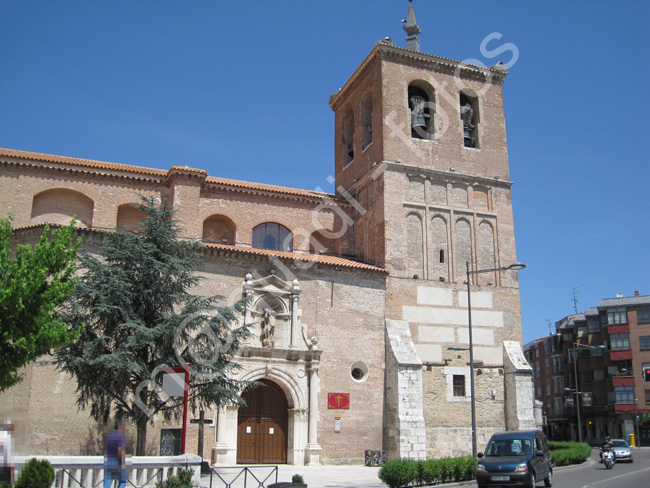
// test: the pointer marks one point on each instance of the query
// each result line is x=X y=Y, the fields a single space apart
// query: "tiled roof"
x=88 y=163
x=307 y=258
x=313 y=258
x=270 y=188
x=141 y=170
x=625 y=302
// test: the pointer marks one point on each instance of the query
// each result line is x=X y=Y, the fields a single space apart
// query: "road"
x=594 y=475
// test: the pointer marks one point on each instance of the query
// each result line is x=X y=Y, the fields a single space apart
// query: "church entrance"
x=262 y=426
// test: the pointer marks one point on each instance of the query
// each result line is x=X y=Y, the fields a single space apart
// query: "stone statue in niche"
x=268 y=327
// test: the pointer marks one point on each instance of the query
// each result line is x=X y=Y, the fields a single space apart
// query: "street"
x=594 y=474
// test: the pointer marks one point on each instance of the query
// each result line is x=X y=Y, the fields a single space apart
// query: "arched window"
x=348 y=138
x=129 y=217
x=219 y=229
x=366 y=118
x=470 y=117
x=421 y=103
x=58 y=205
x=275 y=237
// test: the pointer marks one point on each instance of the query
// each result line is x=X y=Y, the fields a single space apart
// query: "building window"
x=643 y=316
x=597 y=352
x=619 y=342
x=616 y=316
x=366 y=119
x=624 y=394
x=593 y=325
x=545 y=347
x=275 y=237
x=459 y=385
x=558 y=384
x=548 y=386
x=559 y=406
x=582 y=331
x=558 y=366
x=538 y=371
x=546 y=366
x=598 y=375
x=348 y=138
x=645 y=342
x=647 y=397
x=539 y=391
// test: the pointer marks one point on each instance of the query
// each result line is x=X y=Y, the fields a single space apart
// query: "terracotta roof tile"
x=88 y=163
x=313 y=258
x=269 y=188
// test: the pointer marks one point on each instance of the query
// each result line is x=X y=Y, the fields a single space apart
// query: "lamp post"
x=574 y=354
x=637 y=435
x=514 y=267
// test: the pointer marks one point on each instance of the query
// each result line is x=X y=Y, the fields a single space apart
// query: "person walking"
x=115 y=457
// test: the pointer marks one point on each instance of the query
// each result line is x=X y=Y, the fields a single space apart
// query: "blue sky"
x=241 y=90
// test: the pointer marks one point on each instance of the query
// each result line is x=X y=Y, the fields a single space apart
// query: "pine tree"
x=33 y=283
x=140 y=317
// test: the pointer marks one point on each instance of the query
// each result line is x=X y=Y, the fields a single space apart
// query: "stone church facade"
x=356 y=297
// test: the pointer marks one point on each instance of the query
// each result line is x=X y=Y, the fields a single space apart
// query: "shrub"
x=399 y=472
x=182 y=480
x=402 y=472
x=296 y=478
x=36 y=474
x=566 y=453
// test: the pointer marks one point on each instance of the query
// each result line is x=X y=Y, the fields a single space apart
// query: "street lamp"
x=574 y=354
x=514 y=267
x=637 y=435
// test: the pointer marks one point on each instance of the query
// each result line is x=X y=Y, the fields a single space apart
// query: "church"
x=359 y=298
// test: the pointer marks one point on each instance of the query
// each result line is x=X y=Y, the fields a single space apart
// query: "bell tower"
x=420 y=144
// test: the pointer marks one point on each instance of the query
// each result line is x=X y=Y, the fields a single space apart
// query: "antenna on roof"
x=575 y=298
x=550 y=327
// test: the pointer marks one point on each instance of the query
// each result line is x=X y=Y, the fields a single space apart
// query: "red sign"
x=338 y=401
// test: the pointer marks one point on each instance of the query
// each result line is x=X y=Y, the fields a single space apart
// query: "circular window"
x=359 y=371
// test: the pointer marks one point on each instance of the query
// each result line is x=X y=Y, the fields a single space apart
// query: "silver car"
x=622 y=450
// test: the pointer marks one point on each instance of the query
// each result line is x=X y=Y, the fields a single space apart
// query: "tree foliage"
x=141 y=317
x=33 y=283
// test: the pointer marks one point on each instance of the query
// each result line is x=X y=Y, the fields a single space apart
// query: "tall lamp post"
x=514 y=267
x=574 y=354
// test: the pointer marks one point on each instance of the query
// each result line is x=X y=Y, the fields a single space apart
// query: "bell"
x=419 y=122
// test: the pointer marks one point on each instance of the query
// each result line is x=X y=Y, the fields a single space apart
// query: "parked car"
x=517 y=458
x=622 y=450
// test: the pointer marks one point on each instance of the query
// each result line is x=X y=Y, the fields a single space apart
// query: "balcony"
x=623 y=380
x=621 y=407
x=620 y=355
x=618 y=329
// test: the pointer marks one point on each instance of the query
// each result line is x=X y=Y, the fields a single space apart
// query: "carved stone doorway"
x=262 y=426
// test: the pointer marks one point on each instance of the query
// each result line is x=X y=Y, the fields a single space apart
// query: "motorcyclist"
x=606 y=446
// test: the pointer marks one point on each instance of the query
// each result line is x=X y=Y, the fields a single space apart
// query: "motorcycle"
x=608 y=458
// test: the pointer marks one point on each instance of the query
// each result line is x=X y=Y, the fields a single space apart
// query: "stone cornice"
x=412 y=170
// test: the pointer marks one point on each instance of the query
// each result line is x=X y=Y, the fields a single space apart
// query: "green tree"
x=140 y=317
x=34 y=281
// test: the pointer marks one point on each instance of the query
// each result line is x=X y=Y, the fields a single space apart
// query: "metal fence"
x=260 y=476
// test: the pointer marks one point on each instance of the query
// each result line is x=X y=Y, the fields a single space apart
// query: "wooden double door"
x=262 y=426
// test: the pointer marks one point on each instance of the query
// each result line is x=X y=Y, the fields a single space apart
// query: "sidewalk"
x=314 y=476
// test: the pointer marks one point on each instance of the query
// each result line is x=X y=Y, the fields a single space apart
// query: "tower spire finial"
x=412 y=30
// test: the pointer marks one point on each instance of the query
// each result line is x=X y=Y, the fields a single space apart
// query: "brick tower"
x=420 y=144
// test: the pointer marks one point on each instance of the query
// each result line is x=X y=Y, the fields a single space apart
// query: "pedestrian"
x=115 y=457
x=6 y=454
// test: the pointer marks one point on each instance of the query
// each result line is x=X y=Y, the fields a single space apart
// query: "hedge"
x=564 y=453
x=402 y=472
